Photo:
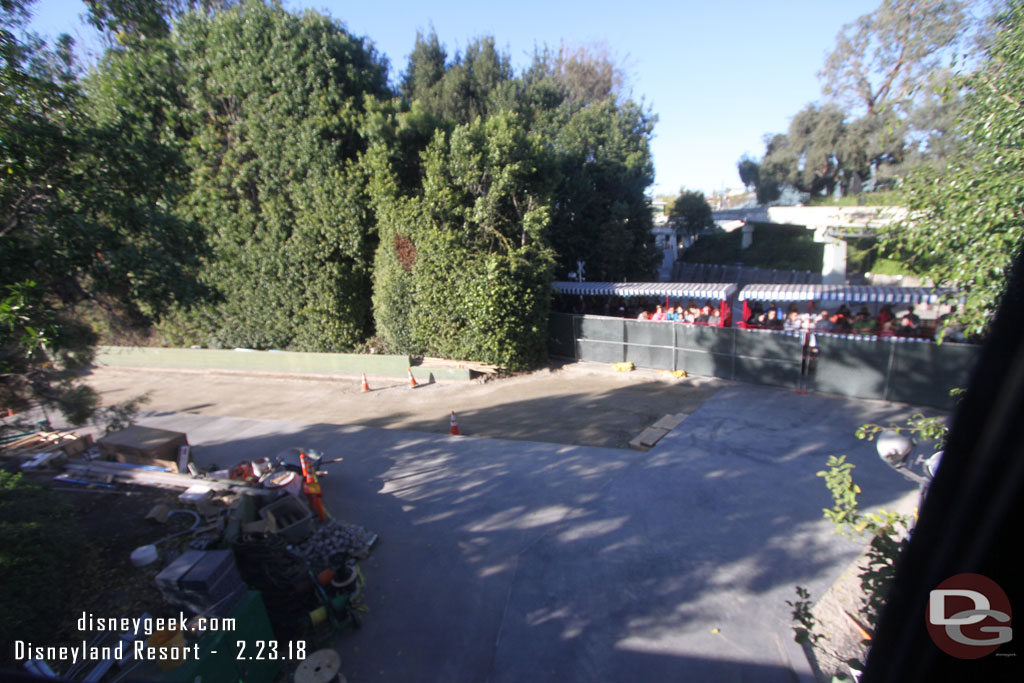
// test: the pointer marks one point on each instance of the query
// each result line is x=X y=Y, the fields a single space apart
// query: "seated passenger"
x=643 y=315
x=823 y=323
x=715 y=319
x=702 y=318
x=772 y=321
x=756 y=316
x=692 y=311
x=659 y=313
x=840 y=323
x=863 y=324
x=909 y=325
x=793 y=322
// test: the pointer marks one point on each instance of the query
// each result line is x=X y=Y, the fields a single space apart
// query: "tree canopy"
x=523 y=176
x=84 y=222
x=890 y=102
x=691 y=213
x=234 y=174
x=884 y=58
x=965 y=220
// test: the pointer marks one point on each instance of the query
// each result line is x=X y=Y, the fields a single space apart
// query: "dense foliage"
x=691 y=213
x=891 y=103
x=84 y=221
x=486 y=184
x=463 y=269
x=965 y=222
x=234 y=174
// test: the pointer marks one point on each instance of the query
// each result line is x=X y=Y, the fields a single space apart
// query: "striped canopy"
x=692 y=290
x=848 y=293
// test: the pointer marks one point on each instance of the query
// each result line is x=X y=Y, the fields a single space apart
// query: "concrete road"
x=581 y=403
x=507 y=560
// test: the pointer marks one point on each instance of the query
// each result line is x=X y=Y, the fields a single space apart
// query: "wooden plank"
x=172 y=480
x=670 y=422
x=647 y=438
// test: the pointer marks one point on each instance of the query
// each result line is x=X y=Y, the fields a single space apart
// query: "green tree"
x=600 y=141
x=824 y=150
x=458 y=91
x=270 y=132
x=604 y=167
x=78 y=223
x=691 y=213
x=889 y=102
x=463 y=269
x=749 y=171
x=883 y=58
x=427 y=64
x=965 y=222
x=125 y=20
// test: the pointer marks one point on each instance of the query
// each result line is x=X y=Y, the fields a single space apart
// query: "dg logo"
x=968 y=616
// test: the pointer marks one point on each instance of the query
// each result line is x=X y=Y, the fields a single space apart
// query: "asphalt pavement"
x=504 y=560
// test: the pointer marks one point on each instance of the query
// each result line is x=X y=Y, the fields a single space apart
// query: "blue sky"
x=719 y=75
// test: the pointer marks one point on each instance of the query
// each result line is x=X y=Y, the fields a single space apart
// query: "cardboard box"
x=141 y=445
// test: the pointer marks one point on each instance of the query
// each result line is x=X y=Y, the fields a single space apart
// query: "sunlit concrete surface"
x=505 y=560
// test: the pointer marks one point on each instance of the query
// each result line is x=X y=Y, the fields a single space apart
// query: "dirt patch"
x=107 y=524
x=580 y=403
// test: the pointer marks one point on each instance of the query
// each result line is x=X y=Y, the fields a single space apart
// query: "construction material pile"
x=334 y=541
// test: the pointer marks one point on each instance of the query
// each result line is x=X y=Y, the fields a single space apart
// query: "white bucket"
x=261 y=466
x=284 y=480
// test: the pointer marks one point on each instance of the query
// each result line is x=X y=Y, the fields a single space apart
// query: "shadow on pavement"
x=514 y=560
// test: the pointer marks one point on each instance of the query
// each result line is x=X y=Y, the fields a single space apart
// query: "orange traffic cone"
x=366 y=385
x=453 y=430
x=412 y=380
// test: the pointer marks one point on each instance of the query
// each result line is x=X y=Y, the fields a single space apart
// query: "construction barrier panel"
x=769 y=357
x=600 y=339
x=924 y=373
x=912 y=371
x=705 y=351
x=851 y=366
x=648 y=344
x=561 y=336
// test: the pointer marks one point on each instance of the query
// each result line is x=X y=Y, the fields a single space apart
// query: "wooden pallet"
x=40 y=442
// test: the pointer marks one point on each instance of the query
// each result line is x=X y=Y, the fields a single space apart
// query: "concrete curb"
x=288 y=362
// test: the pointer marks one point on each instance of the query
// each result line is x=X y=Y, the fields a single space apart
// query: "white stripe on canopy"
x=692 y=290
x=847 y=293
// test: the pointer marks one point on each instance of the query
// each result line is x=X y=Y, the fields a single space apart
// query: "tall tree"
x=125 y=20
x=823 y=149
x=966 y=221
x=272 y=124
x=883 y=58
x=691 y=213
x=604 y=166
x=463 y=269
x=460 y=90
x=749 y=171
x=426 y=67
x=78 y=222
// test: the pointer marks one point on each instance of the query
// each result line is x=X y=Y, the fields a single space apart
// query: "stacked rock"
x=333 y=543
